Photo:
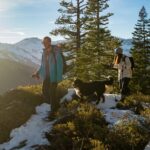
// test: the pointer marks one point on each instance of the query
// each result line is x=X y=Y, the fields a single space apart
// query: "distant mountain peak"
x=30 y=49
x=29 y=40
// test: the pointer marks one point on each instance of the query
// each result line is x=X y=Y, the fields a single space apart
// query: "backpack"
x=131 y=60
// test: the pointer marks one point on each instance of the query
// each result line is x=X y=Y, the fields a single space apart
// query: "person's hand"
x=36 y=76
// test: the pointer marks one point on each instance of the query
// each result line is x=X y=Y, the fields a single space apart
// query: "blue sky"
x=21 y=19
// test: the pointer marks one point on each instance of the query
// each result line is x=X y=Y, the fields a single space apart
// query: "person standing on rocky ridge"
x=51 y=72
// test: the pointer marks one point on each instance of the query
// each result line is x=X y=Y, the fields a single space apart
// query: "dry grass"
x=17 y=106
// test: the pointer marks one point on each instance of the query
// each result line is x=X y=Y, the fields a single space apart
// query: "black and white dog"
x=94 y=87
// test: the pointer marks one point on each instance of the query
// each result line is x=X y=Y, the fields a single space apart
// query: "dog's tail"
x=109 y=81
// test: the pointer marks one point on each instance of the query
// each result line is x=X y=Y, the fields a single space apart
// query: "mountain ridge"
x=25 y=54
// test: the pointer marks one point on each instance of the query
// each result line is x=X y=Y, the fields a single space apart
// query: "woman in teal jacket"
x=51 y=72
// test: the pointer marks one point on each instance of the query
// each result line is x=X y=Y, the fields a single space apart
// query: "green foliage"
x=70 y=26
x=146 y=113
x=16 y=107
x=128 y=137
x=97 y=50
x=70 y=23
x=91 y=46
x=35 y=89
x=83 y=128
x=134 y=102
x=141 y=53
x=66 y=83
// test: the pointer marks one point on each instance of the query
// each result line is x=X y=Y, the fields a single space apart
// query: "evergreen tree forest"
x=141 y=53
x=83 y=23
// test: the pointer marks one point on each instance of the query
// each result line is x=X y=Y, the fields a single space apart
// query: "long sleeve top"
x=52 y=64
x=124 y=68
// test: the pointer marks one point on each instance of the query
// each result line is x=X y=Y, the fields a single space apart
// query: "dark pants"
x=124 y=87
x=49 y=92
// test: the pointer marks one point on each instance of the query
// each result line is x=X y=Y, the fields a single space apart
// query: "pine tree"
x=98 y=45
x=141 y=52
x=70 y=22
x=70 y=26
x=84 y=25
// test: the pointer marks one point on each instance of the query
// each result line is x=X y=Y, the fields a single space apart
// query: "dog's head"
x=77 y=83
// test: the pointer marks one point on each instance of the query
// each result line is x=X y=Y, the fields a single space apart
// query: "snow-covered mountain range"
x=28 y=51
x=18 y=61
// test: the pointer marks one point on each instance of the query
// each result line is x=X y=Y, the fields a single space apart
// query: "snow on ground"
x=147 y=147
x=31 y=133
x=109 y=101
x=114 y=115
x=68 y=96
x=111 y=113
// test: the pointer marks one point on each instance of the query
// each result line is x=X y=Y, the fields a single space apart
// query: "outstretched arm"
x=36 y=73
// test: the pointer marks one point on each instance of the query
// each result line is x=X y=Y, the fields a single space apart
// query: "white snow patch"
x=32 y=132
x=110 y=101
x=111 y=113
x=68 y=96
x=115 y=116
x=147 y=147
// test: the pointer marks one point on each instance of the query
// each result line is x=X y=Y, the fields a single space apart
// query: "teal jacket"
x=55 y=65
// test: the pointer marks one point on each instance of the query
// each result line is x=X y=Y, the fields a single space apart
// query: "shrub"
x=66 y=84
x=134 y=102
x=83 y=128
x=146 y=113
x=128 y=137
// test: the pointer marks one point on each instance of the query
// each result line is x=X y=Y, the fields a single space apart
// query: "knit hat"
x=119 y=50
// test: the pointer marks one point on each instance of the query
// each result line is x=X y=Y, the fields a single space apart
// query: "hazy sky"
x=20 y=19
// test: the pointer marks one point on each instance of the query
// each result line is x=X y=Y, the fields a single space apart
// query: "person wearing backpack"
x=51 y=72
x=124 y=66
